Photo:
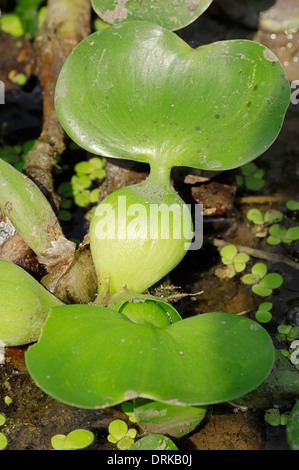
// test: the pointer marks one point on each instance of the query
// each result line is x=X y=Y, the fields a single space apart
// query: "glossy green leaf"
x=160 y=418
x=255 y=216
x=272 y=281
x=3 y=441
x=24 y=305
x=78 y=439
x=90 y=356
x=259 y=269
x=293 y=427
x=292 y=205
x=262 y=291
x=138 y=91
x=172 y=15
x=154 y=442
x=118 y=429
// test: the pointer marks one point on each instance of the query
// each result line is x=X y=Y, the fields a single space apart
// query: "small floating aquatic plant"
x=261 y=281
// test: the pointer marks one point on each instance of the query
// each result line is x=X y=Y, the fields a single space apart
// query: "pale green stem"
x=159 y=174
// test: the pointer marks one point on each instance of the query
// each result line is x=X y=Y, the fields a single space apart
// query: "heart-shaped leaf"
x=138 y=91
x=90 y=356
x=171 y=15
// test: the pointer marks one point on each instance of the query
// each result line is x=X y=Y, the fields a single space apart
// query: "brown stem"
x=66 y=23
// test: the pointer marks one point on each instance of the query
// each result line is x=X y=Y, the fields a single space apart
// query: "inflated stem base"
x=24 y=305
x=138 y=235
x=93 y=357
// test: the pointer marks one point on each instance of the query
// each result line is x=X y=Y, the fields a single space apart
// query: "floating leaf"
x=263 y=314
x=256 y=216
x=154 y=442
x=2 y=419
x=160 y=418
x=118 y=429
x=292 y=234
x=228 y=252
x=259 y=269
x=58 y=441
x=273 y=215
x=84 y=350
x=272 y=281
x=3 y=441
x=272 y=417
x=137 y=91
x=171 y=15
x=292 y=205
x=78 y=439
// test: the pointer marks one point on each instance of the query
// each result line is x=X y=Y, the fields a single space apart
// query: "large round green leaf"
x=90 y=356
x=137 y=91
x=174 y=14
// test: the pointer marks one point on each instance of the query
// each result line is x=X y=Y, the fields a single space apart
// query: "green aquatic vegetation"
x=261 y=281
x=169 y=121
x=263 y=314
x=132 y=91
x=174 y=350
x=269 y=217
x=16 y=154
x=292 y=205
x=251 y=177
x=77 y=439
x=171 y=15
x=128 y=408
x=25 y=18
x=83 y=188
x=7 y=400
x=292 y=429
x=3 y=439
x=278 y=234
x=234 y=261
x=121 y=435
x=2 y=419
x=287 y=332
x=161 y=418
x=10 y=23
x=154 y=442
x=86 y=172
x=274 y=417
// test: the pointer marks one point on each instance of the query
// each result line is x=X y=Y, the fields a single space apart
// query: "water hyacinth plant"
x=167 y=105
x=136 y=91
